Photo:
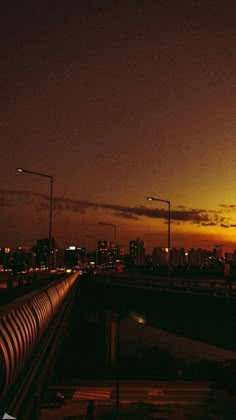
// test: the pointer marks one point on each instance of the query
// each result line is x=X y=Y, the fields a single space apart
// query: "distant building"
x=137 y=252
x=74 y=256
x=22 y=255
x=218 y=252
x=59 y=257
x=177 y=256
x=198 y=256
x=5 y=257
x=108 y=253
x=160 y=256
x=81 y=255
x=41 y=251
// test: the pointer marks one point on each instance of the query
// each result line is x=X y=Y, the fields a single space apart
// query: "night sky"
x=118 y=100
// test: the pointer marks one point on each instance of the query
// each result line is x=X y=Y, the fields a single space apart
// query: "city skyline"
x=124 y=248
x=119 y=102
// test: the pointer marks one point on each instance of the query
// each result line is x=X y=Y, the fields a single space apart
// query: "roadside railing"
x=26 y=328
x=196 y=286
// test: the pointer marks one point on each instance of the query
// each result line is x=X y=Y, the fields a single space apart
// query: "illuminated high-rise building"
x=137 y=252
x=42 y=251
x=74 y=256
x=108 y=252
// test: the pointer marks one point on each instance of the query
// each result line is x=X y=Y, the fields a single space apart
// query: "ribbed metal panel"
x=60 y=291
x=54 y=298
x=10 y=357
x=16 y=334
x=5 y=364
x=43 y=310
x=23 y=336
x=21 y=327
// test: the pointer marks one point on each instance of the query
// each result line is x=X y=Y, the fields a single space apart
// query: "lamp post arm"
x=34 y=173
x=38 y=173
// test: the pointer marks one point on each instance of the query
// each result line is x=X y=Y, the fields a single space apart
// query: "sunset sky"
x=118 y=100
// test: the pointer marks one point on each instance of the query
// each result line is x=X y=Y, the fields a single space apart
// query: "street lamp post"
x=50 y=209
x=138 y=319
x=117 y=367
x=167 y=202
x=114 y=227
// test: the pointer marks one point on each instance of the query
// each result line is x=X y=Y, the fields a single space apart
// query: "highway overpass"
x=32 y=327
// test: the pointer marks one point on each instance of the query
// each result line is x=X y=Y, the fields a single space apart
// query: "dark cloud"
x=228 y=206
x=193 y=215
x=63 y=205
x=10 y=197
x=175 y=222
x=127 y=216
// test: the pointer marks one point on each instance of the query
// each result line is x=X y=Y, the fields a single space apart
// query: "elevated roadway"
x=192 y=310
x=199 y=310
x=204 y=286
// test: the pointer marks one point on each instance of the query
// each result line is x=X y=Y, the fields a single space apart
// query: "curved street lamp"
x=50 y=211
x=167 y=202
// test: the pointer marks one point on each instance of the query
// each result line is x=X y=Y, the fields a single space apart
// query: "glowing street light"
x=50 y=211
x=167 y=202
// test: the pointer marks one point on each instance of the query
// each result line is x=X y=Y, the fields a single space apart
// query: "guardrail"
x=22 y=327
x=208 y=287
